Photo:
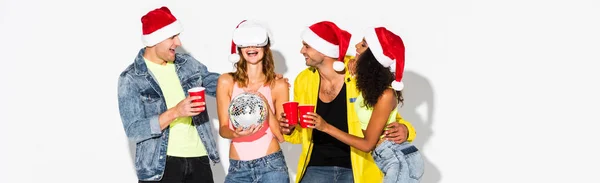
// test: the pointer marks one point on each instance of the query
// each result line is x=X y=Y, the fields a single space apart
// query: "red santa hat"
x=330 y=40
x=248 y=33
x=388 y=49
x=158 y=25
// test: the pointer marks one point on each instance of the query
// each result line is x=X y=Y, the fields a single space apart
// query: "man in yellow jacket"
x=332 y=91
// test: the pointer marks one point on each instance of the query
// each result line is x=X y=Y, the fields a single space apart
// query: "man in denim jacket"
x=174 y=140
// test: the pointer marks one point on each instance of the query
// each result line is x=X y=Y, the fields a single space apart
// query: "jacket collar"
x=140 y=65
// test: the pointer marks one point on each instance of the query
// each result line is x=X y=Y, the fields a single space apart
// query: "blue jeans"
x=399 y=162
x=268 y=169
x=327 y=174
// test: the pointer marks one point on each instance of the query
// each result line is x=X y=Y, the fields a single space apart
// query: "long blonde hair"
x=240 y=75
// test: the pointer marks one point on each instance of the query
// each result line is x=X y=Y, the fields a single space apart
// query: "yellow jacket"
x=306 y=91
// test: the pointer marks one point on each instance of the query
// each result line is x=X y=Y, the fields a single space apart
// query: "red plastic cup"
x=197 y=91
x=291 y=112
x=302 y=110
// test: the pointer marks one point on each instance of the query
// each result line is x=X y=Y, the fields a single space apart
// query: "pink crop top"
x=256 y=145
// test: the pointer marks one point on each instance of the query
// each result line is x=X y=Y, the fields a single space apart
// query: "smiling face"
x=163 y=51
x=312 y=57
x=361 y=47
x=253 y=54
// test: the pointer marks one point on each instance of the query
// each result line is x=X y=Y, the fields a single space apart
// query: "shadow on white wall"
x=418 y=109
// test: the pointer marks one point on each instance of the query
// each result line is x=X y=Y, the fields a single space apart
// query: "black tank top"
x=327 y=150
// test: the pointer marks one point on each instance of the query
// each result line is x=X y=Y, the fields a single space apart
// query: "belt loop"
x=375 y=152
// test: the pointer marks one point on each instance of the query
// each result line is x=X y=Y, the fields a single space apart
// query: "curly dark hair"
x=241 y=77
x=372 y=79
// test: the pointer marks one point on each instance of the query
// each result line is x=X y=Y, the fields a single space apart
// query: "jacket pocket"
x=194 y=80
x=149 y=96
x=147 y=154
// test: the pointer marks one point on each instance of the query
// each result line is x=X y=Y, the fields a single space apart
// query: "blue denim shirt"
x=141 y=102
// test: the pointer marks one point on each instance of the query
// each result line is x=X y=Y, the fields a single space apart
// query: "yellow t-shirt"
x=184 y=140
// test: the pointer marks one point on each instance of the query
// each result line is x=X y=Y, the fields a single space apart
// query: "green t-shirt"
x=364 y=113
x=184 y=140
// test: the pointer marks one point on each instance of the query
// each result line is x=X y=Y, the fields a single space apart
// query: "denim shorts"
x=399 y=162
x=268 y=169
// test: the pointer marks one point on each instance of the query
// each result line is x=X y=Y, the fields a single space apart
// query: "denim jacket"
x=141 y=102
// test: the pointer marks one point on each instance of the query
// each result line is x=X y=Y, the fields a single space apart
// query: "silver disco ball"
x=246 y=109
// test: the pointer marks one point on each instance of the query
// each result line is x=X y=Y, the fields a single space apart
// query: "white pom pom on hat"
x=327 y=38
x=398 y=86
x=388 y=49
x=234 y=58
x=338 y=66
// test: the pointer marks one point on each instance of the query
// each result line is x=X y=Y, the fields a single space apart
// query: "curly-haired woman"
x=376 y=106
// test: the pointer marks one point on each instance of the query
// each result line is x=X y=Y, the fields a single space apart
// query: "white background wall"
x=499 y=91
